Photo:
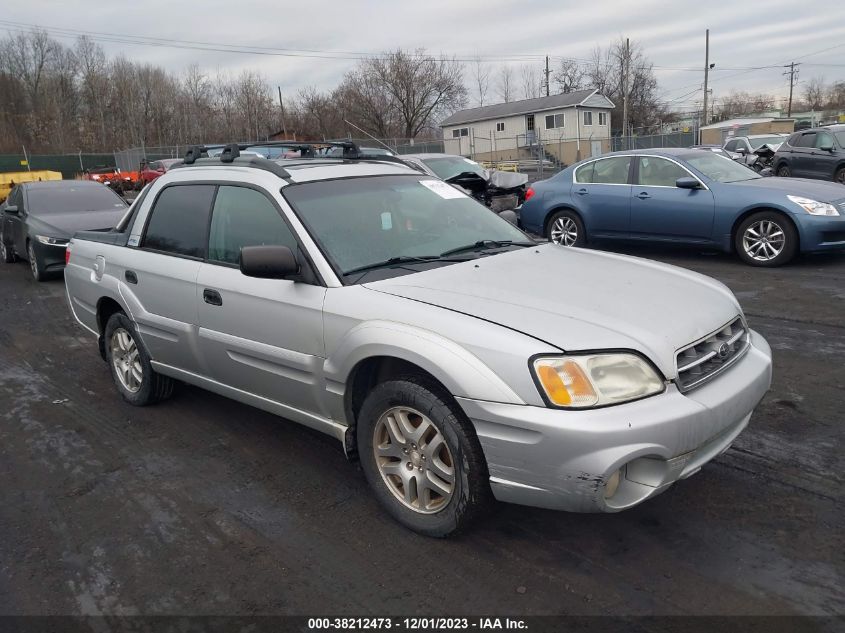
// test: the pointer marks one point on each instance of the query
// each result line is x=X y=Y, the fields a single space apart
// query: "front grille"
x=707 y=358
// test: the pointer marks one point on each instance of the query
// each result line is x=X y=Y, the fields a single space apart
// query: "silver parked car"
x=459 y=360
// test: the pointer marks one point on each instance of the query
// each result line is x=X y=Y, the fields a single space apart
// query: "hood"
x=815 y=189
x=576 y=299
x=66 y=224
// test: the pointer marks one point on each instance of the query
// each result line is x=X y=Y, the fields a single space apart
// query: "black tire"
x=566 y=228
x=777 y=224
x=839 y=176
x=783 y=170
x=35 y=266
x=471 y=495
x=153 y=387
x=7 y=252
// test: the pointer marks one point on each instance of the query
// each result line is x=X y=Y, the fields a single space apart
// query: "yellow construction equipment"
x=11 y=178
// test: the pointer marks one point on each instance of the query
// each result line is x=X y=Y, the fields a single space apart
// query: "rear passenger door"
x=823 y=162
x=158 y=279
x=601 y=191
x=262 y=336
x=801 y=162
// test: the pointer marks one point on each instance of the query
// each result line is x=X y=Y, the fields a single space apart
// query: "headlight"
x=52 y=241
x=814 y=207
x=595 y=380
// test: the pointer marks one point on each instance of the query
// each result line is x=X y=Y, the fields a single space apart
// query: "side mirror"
x=12 y=208
x=827 y=147
x=687 y=182
x=741 y=150
x=268 y=262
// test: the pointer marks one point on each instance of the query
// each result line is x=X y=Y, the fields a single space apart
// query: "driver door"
x=262 y=336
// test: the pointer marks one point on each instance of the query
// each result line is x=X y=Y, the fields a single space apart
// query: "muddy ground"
x=202 y=505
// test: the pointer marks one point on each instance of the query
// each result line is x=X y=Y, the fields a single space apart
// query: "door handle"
x=212 y=297
x=644 y=195
x=130 y=277
x=582 y=192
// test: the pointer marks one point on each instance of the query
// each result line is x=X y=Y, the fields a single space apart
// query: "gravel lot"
x=205 y=506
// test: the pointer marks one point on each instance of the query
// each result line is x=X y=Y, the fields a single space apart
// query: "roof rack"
x=231 y=154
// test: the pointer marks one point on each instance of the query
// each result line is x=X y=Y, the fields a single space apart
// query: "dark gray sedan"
x=39 y=219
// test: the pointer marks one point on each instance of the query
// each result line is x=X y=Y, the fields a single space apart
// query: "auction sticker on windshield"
x=442 y=189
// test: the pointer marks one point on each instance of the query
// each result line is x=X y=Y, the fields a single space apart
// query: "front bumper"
x=51 y=257
x=564 y=459
x=822 y=233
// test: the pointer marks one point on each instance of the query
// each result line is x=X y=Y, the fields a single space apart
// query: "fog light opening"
x=612 y=484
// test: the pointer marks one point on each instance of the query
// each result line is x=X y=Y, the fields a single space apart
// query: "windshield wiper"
x=399 y=260
x=485 y=244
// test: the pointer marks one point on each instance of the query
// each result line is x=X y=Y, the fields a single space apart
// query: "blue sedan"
x=689 y=197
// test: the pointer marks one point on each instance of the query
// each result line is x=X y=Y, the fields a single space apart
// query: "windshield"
x=72 y=199
x=721 y=169
x=763 y=140
x=450 y=166
x=363 y=221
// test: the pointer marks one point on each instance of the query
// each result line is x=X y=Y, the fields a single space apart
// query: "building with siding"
x=569 y=126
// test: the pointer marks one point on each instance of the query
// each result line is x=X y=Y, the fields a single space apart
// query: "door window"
x=822 y=139
x=607 y=171
x=245 y=217
x=730 y=146
x=659 y=172
x=178 y=223
x=807 y=140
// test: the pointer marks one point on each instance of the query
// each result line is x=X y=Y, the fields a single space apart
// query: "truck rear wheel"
x=130 y=366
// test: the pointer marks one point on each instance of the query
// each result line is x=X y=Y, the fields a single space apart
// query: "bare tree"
x=480 y=79
x=505 y=87
x=424 y=88
x=569 y=76
x=836 y=96
x=814 y=93
x=366 y=100
x=530 y=81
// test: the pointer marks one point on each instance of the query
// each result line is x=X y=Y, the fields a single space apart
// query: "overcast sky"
x=742 y=35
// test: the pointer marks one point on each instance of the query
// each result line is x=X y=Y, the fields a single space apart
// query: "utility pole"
x=706 y=72
x=792 y=72
x=547 y=75
x=282 y=109
x=626 y=64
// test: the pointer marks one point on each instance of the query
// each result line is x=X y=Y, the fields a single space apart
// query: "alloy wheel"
x=764 y=240
x=414 y=460
x=564 y=231
x=126 y=360
x=33 y=261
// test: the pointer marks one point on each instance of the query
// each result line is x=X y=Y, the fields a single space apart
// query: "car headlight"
x=814 y=207
x=52 y=241
x=595 y=380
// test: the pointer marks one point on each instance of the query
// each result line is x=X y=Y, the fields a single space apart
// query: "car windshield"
x=719 y=168
x=72 y=199
x=450 y=166
x=763 y=140
x=359 y=222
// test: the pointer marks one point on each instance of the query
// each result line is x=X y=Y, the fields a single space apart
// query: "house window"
x=463 y=131
x=588 y=117
x=554 y=121
x=500 y=126
x=602 y=118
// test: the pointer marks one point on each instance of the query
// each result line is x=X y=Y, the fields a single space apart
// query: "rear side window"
x=807 y=140
x=178 y=223
x=730 y=146
x=245 y=217
x=608 y=171
x=793 y=140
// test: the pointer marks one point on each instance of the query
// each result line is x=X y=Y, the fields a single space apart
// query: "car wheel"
x=565 y=228
x=839 y=176
x=130 y=366
x=766 y=239
x=783 y=171
x=6 y=252
x=421 y=457
x=34 y=265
